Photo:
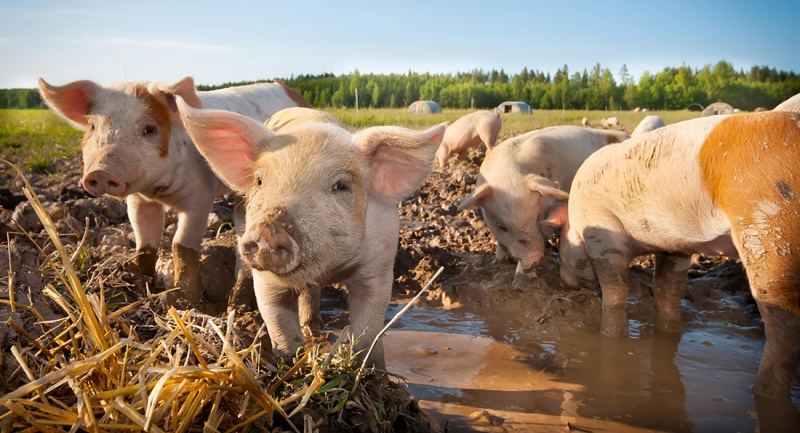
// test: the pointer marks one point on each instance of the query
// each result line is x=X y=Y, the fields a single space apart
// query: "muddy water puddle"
x=481 y=372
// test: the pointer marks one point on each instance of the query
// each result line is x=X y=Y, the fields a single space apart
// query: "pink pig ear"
x=167 y=93
x=476 y=197
x=556 y=217
x=545 y=186
x=72 y=101
x=229 y=141
x=400 y=159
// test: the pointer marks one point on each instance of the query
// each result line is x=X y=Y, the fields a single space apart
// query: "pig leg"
x=442 y=153
x=192 y=223
x=309 y=309
x=243 y=293
x=368 y=300
x=147 y=220
x=781 y=351
x=610 y=259
x=668 y=287
x=278 y=307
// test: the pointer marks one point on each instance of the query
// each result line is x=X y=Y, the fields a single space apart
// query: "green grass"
x=36 y=138
x=513 y=124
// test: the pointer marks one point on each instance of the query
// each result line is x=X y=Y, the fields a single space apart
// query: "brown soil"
x=433 y=234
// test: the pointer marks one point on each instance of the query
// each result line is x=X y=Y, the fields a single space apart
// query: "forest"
x=673 y=88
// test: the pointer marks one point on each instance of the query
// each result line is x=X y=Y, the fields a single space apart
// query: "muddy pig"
x=469 y=130
x=523 y=177
x=720 y=185
x=308 y=300
x=135 y=146
x=321 y=207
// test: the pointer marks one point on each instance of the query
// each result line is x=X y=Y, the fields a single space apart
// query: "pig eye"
x=340 y=186
x=501 y=227
x=149 y=130
x=258 y=181
x=91 y=126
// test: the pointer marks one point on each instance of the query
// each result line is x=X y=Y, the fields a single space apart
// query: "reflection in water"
x=460 y=364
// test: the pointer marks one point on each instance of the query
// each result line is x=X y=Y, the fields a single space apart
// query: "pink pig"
x=469 y=130
x=135 y=146
x=321 y=207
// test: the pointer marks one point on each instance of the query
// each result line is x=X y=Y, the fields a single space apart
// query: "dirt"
x=481 y=328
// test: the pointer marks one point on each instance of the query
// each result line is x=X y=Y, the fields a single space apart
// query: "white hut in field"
x=425 y=107
x=717 y=108
x=509 y=107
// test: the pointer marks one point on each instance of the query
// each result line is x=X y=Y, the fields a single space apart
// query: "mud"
x=487 y=350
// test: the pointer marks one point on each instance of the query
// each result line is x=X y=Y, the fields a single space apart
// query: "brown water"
x=492 y=371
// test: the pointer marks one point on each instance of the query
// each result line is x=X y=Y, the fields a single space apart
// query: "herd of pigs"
x=317 y=203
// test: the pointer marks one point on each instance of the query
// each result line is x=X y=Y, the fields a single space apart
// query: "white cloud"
x=154 y=44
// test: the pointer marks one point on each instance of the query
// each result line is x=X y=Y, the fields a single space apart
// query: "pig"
x=791 y=104
x=309 y=300
x=612 y=122
x=321 y=207
x=523 y=177
x=135 y=147
x=721 y=185
x=585 y=122
x=468 y=131
x=648 y=124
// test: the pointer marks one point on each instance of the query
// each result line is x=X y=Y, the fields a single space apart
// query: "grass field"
x=36 y=138
x=513 y=124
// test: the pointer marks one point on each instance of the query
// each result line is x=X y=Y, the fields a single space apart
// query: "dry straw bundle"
x=94 y=370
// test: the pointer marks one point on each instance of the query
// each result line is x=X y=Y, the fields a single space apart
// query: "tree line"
x=596 y=89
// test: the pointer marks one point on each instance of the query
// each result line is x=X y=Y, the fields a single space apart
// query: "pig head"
x=320 y=208
x=522 y=178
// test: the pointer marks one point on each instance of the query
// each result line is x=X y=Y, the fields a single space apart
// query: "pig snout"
x=270 y=247
x=99 y=182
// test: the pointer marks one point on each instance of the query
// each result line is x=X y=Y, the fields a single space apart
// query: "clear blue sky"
x=217 y=42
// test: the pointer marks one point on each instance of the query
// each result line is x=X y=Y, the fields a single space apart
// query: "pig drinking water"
x=468 y=131
x=321 y=207
x=721 y=185
x=135 y=146
x=523 y=177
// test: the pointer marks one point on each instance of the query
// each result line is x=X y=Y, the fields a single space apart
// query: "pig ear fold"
x=400 y=159
x=71 y=101
x=167 y=93
x=184 y=88
x=229 y=141
x=545 y=186
x=557 y=216
x=476 y=198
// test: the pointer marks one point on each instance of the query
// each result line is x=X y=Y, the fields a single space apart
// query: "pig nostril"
x=284 y=253
x=92 y=183
x=113 y=184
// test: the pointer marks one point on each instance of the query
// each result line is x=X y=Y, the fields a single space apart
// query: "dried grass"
x=93 y=370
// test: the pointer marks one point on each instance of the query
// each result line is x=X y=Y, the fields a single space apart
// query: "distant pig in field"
x=135 y=146
x=469 y=130
x=523 y=177
x=321 y=207
x=721 y=185
x=648 y=124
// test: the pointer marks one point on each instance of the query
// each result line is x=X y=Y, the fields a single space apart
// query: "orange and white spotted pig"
x=722 y=185
x=135 y=146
